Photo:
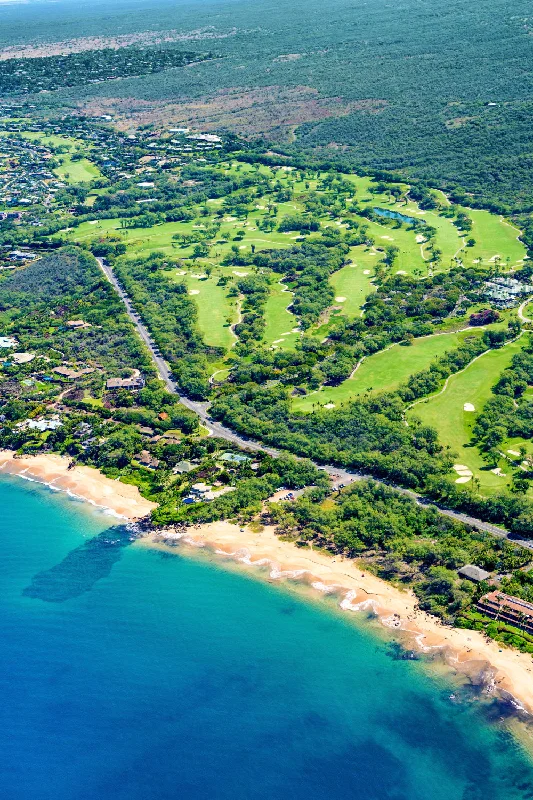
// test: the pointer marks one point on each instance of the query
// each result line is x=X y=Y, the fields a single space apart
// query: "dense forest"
x=437 y=91
x=25 y=76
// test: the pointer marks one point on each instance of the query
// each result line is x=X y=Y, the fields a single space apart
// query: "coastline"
x=81 y=482
x=508 y=673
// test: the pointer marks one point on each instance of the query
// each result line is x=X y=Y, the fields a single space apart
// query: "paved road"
x=339 y=476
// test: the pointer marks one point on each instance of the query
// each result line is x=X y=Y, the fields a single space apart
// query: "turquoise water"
x=125 y=673
x=386 y=212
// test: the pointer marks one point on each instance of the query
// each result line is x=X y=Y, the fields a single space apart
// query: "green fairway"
x=353 y=281
x=142 y=241
x=445 y=411
x=76 y=171
x=447 y=238
x=214 y=310
x=386 y=370
x=279 y=321
x=494 y=237
x=409 y=259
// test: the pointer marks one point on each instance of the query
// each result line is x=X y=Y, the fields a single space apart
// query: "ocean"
x=129 y=673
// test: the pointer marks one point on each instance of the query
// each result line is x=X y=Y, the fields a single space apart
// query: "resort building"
x=508 y=609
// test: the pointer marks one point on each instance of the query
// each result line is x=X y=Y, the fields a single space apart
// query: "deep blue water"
x=386 y=212
x=125 y=673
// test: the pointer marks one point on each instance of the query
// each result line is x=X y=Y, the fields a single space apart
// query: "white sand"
x=513 y=452
x=366 y=272
x=240 y=274
x=340 y=299
x=194 y=291
x=329 y=405
x=469 y=407
x=464 y=479
x=83 y=482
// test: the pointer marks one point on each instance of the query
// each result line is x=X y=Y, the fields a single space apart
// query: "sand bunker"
x=465 y=474
x=366 y=272
x=194 y=291
x=240 y=274
x=329 y=405
x=340 y=299
x=420 y=238
x=469 y=407
x=513 y=452
x=200 y=277
x=401 y=272
x=498 y=471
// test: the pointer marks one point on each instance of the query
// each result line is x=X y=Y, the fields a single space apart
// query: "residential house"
x=72 y=374
x=234 y=458
x=147 y=460
x=135 y=382
x=473 y=573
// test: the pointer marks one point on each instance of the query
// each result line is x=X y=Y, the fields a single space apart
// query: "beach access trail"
x=338 y=474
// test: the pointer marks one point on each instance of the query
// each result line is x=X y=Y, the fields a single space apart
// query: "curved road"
x=338 y=474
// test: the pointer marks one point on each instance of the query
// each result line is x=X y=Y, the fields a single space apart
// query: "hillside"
x=438 y=92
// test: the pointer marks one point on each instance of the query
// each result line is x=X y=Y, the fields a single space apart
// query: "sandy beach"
x=464 y=650
x=356 y=590
x=85 y=483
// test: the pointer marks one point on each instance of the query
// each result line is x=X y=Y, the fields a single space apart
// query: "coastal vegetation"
x=341 y=319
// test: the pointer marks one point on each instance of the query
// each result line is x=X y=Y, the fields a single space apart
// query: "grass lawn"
x=278 y=319
x=76 y=171
x=385 y=370
x=214 y=309
x=494 y=237
x=352 y=283
x=409 y=257
x=446 y=414
x=142 y=241
x=447 y=238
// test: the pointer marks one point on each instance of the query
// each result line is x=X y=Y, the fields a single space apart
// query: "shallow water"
x=127 y=673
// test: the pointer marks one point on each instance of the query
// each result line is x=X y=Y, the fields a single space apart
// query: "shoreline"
x=81 y=482
x=508 y=673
